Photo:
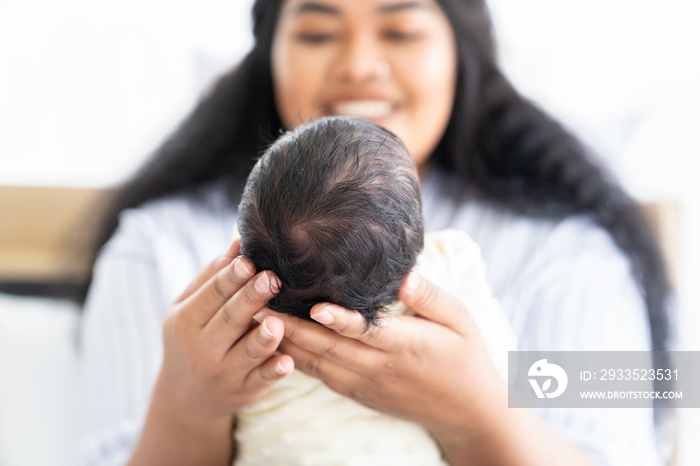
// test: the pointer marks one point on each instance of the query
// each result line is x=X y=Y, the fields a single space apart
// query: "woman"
x=563 y=246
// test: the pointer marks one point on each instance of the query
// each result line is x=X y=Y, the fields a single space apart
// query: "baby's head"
x=333 y=209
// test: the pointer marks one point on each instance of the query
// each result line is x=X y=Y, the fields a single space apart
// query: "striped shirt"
x=563 y=285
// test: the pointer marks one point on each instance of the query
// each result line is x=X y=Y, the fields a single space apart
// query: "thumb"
x=434 y=303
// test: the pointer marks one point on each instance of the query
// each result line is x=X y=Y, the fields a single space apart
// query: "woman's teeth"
x=362 y=108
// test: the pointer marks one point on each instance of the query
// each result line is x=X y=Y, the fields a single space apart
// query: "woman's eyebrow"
x=393 y=7
x=315 y=7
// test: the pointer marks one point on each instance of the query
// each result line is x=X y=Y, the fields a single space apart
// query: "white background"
x=89 y=87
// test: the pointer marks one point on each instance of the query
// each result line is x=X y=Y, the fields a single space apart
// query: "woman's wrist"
x=172 y=401
x=471 y=423
x=172 y=435
x=168 y=408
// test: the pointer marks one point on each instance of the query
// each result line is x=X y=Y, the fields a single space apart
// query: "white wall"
x=89 y=87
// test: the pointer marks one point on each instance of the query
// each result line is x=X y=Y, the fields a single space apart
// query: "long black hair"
x=506 y=149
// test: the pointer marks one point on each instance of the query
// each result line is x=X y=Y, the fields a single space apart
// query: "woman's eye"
x=315 y=38
x=401 y=36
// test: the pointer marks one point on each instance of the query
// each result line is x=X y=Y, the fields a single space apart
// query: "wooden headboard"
x=40 y=227
x=40 y=224
x=664 y=218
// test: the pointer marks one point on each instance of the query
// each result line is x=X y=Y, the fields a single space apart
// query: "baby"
x=334 y=209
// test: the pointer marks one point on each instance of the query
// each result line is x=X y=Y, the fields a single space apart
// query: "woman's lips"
x=368 y=109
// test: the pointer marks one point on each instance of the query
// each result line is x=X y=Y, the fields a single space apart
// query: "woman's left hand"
x=433 y=369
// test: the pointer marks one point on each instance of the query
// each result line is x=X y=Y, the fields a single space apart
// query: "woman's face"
x=393 y=62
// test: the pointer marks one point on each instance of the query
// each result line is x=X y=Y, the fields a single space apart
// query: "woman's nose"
x=360 y=59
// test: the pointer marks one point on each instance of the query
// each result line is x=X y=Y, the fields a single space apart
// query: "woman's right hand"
x=216 y=360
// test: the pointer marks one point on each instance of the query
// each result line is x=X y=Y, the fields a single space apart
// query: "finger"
x=256 y=346
x=433 y=303
x=325 y=343
x=272 y=370
x=213 y=267
x=234 y=317
x=252 y=355
x=204 y=303
x=317 y=366
x=351 y=324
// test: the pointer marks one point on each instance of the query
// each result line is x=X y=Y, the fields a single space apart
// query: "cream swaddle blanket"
x=300 y=421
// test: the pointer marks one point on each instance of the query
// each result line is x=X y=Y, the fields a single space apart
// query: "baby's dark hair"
x=333 y=208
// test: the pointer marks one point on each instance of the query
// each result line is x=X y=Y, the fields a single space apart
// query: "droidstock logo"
x=542 y=370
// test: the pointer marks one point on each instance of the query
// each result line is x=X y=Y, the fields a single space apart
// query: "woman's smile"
x=369 y=109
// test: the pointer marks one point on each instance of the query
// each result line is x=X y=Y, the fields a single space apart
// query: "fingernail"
x=323 y=317
x=241 y=268
x=412 y=282
x=260 y=316
x=262 y=284
x=279 y=369
x=265 y=331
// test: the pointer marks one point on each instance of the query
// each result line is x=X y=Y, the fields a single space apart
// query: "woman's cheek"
x=299 y=74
